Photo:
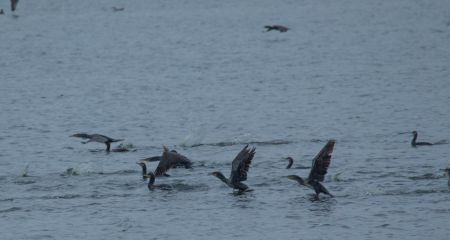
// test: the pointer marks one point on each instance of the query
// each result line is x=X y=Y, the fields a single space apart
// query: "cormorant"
x=97 y=138
x=169 y=159
x=151 y=186
x=239 y=169
x=14 y=5
x=319 y=168
x=414 y=143
x=116 y=9
x=291 y=161
x=277 y=27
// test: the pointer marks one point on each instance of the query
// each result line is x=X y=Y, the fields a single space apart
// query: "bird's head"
x=447 y=170
x=293 y=177
x=414 y=132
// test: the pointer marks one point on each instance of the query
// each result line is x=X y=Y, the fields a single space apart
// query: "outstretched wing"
x=321 y=162
x=169 y=160
x=240 y=164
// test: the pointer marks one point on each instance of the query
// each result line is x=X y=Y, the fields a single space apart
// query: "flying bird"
x=97 y=138
x=239 y=169
x=168 y=160
x=318 y=171
x=277 y=28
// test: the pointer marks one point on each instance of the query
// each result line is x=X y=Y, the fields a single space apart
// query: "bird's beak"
x=210 y=173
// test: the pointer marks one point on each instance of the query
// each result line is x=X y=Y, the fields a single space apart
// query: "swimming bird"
x=1 y=11
x=414 y=143
x=169 y=159
x=291 y=161
x=14 y=5
x=151 y=183
x=116 y=9
x=277 y=28
x=319 y=168
x=97 y=138
x=239 y=169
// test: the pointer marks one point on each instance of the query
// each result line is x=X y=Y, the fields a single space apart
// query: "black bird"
x=169 y=159
x=319 y=168
x=414 y=143
x=14 y=5
x=2 y=12
x=151 y=183
x=291 y=161
x=277 y=28
x=97 y=138
x=116 y=9
x=239 y=169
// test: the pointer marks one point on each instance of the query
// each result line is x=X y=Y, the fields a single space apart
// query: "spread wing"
x=169 y=160
x=240 y=165
x=321 y=162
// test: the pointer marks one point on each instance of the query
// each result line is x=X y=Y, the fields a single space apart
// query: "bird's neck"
x=151 y=181
x=222 y=178
x=301 y=181
x=144 y=171
x=413 y=142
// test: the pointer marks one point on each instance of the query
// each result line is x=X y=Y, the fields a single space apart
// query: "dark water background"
x=204 y=78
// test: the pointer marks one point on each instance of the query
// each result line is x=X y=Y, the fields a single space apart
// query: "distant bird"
x=291 y=161
x=151 y=183
x=14 y=5
x=169 y=159
x=116 y=9
x=2 y=12
x=447 y=170
x=319 y=168
x=97 y=138
x=414 y=143
x=239 y=169
x=277 y=28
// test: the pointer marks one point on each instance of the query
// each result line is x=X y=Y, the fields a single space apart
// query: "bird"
x=1 y=11
x=151 y=183
x=169 y=159
x=291 y=161
x=14 y=5
x=97 y=138
x=155 y=158
x=414 y=143
x=277 y=28
x=118 y=9
x=239 y=169
x=319 y=168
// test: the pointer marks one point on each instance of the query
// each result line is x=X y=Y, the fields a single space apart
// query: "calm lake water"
x=204 y=78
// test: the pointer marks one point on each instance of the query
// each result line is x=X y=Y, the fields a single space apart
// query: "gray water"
x=203 y=77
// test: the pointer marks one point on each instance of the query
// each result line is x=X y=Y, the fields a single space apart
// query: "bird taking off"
x=277 y=28
x=97 y=138
x=318 y=171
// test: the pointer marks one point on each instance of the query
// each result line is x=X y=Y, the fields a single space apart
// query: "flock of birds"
x=239 y=166
x=279 y=28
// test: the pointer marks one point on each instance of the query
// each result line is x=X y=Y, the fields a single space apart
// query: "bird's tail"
x=117 y=140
